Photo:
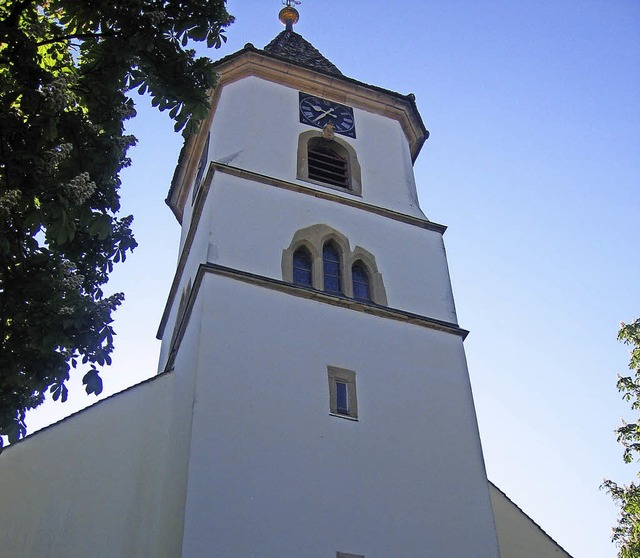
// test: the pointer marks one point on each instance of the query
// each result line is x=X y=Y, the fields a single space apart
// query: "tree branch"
x=77 y=36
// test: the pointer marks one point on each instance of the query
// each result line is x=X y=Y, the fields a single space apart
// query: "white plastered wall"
x=245 y=225
x=251 y=223
x=272 y=474
x=256 y=127
x=94 y=484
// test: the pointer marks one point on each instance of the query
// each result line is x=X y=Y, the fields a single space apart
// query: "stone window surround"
x=342 y=375
x=313 y=238
x=353 y=166
x=201 y=170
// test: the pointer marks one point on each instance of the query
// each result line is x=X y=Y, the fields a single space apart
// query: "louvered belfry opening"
x=327 y=163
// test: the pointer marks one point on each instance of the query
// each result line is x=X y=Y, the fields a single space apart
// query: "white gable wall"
x=90 y=485
x=518 y=535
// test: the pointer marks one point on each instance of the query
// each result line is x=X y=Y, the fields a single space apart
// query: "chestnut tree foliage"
x=66 y=67
x=627 y=533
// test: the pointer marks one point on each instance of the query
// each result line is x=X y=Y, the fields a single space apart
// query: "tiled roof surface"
x=293 y=47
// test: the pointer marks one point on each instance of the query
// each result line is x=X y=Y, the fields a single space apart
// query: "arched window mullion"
x=331 y=269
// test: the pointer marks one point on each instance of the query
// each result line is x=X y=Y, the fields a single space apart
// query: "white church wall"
x=179 y=436
x=272 y=474
x=256 y=127
x=252 y=223
x=518 y=535
x=196 y=254
x=89 y=485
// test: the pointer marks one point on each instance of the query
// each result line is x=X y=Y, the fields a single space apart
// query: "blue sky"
x=534 y=165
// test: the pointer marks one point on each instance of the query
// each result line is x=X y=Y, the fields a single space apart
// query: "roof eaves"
x=409 y=98
x=250 y=48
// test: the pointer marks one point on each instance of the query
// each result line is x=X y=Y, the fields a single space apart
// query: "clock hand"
x=323 y=114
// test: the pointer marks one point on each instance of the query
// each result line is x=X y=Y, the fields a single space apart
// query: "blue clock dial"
x=318 y=112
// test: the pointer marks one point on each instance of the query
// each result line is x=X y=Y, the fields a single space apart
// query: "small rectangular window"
x=342 y=403
x=347 y=555
x=342 y=392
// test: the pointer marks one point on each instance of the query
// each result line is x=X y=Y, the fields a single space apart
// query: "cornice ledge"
x=295 y=187
x=334 y=300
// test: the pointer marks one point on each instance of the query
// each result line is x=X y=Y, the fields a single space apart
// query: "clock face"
x=318 y=112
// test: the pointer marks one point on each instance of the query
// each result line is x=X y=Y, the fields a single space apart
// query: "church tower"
x=322 y=395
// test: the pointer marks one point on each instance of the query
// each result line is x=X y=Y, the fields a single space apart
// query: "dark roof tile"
x=291 y=46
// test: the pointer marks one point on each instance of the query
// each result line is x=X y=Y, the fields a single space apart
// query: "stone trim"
x=376 y=284
x=314 y=238
x=294 y=187
x=187 y=166
x=304 y=292
x=347 y=377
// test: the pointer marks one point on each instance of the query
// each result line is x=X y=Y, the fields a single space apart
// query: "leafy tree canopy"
x=66 y=67
x=627 y=533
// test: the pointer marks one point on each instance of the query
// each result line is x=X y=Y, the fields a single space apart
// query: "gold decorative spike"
x=288 y=15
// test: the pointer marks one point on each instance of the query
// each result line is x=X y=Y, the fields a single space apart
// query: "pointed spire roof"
x=291 y=46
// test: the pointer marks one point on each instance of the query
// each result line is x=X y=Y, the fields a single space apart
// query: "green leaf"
x=59 y=391
x=92 y=382
x=64 y=109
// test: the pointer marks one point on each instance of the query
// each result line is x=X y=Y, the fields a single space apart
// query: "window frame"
x=353 y=166
x=202 y=167
x=359 y=265
x=313 y=238
x=328 y=163
x=309 y=258
x=345 y=376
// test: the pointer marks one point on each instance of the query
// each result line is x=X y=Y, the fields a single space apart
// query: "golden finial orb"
x=288 y=15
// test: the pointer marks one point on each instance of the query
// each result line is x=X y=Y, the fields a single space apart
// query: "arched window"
x=361 y=286
x=331 y=268
x=328 y=162
x=302 y=267
x=320 y=257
